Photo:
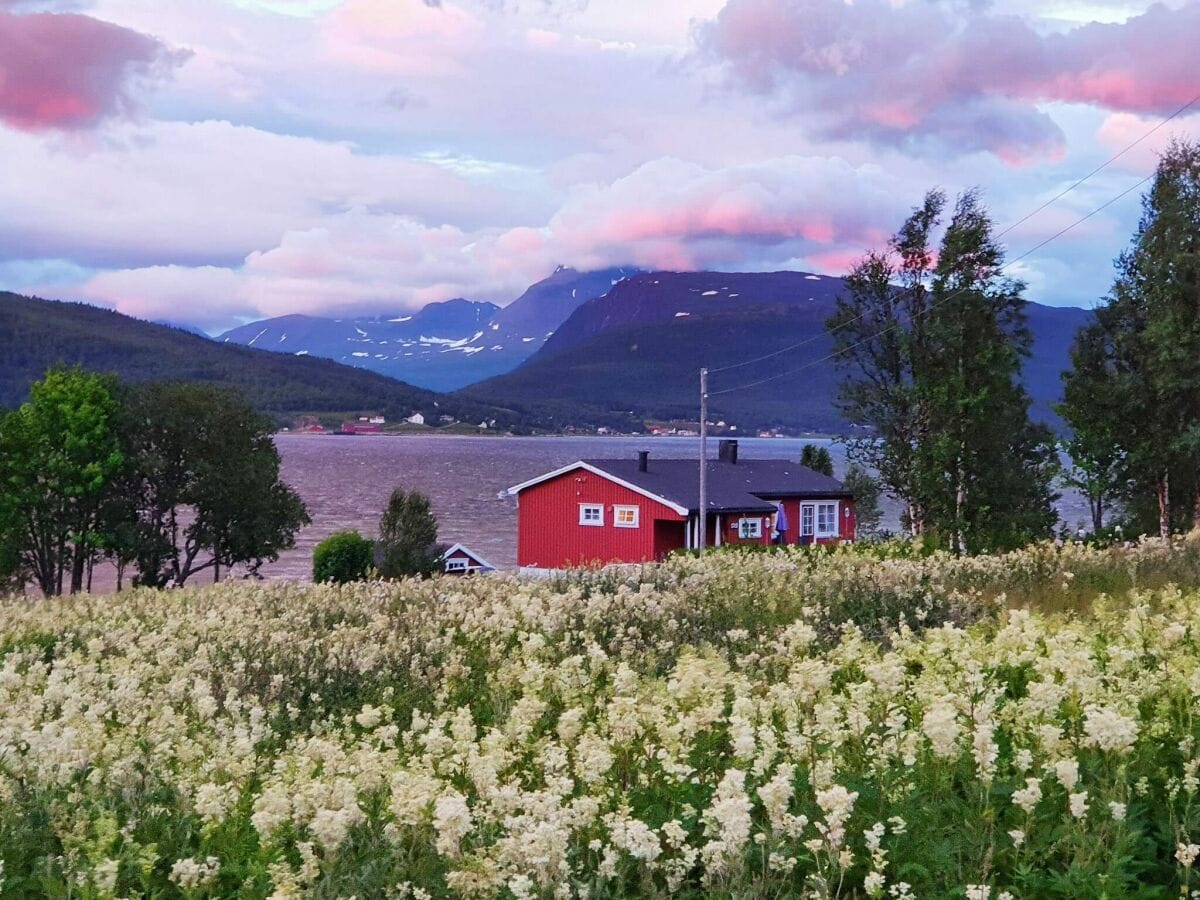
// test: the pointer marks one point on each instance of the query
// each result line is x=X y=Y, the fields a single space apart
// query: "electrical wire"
x=931 y=307
x=1021 y=221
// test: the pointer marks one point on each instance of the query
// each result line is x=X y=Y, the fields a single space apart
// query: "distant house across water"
x=460 y=560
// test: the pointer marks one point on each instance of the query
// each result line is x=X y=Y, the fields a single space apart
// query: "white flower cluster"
x=191 y=873
x=695 y=727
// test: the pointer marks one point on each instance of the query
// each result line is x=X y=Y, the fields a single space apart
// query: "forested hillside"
x=638 y=350
x=36 y=334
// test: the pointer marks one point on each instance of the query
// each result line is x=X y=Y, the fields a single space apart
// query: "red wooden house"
x=599 y=511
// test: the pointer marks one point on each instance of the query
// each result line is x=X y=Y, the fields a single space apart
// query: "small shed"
x=461 y=560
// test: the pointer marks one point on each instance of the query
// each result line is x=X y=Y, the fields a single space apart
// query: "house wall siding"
x=549 y=534
x=846 y=524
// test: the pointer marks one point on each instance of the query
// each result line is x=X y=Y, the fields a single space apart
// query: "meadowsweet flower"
x=1079 y=805
x=1017 y=836
x=1186 y=854
x=978 y=892
x=633 y=836
x=1106 y=729
x=191 y=874
x=369 y=717
x=940 y=725
x=104 y=875
x=873 y=884
x=776 y=794
x=1027 y=797
x=452 y=821
x=837 y=804
x=729 y=817
x=1118 y=811
x=1067 y=773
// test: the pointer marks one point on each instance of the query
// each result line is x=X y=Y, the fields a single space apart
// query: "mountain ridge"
x=443 y=346
x=36 y=334
x=660 y=328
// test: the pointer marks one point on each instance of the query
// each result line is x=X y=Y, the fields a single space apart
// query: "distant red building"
x=602 y=511
x=361 y=428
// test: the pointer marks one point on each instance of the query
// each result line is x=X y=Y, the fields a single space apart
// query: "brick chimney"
x=727 y=452
x=643 y=460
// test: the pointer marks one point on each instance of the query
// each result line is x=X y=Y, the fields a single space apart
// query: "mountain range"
x=637 y=351
x=443 y=346
x=614 y=347
x=36 y=334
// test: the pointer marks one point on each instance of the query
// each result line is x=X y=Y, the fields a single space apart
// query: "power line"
x=1021 y=221
x=931 y=307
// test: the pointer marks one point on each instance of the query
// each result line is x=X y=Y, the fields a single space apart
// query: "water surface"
x=345 y=481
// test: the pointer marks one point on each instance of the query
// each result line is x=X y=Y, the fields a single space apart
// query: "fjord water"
x=345 y=481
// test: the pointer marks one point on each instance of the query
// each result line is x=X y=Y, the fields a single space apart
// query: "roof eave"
x=595 y=470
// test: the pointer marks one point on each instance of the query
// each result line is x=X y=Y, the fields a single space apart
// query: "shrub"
x=342 y=557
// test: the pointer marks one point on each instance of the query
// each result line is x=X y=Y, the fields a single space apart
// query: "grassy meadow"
x=792 y=724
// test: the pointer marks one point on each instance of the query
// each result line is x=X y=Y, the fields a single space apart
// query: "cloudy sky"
x=214 y=161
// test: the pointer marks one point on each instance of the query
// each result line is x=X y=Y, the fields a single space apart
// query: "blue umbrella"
x=781 y=520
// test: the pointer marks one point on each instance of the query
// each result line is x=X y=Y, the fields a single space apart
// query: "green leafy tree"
x=407 y=542
x=206 y=477
x=866 y=491
x=1133 y=392
x=1091 y=408
x=986 y=470
x=12 y=572
x=342 y=557
x=58 y=454
x=817 y=459
x=879 y=342
x=932 y=356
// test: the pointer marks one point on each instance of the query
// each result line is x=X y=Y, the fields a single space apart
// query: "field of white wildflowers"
x=746 y=725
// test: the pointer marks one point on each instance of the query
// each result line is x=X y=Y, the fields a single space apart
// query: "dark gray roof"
x=744 y=486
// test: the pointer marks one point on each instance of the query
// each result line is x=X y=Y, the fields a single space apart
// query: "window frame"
x=756 y=531
x=620 y=508
x=810 y=518
x=584 y=508
x=457 y=565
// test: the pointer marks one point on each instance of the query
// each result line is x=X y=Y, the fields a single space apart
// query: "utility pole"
x=703 y=460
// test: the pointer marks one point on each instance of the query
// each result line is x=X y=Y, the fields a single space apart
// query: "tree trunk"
x=1163 y=492
x=1196 y=508
x=960 y=501
x=60 y=567
x=1097 y=504
x=916 y=519
x=78 y=567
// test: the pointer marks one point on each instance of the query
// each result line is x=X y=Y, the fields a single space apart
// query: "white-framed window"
x=750 y=529
x=626 y=516
x=819 y=520
x=456 y=565
x=591 y=514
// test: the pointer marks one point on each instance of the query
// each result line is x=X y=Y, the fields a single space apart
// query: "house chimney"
x=643 y=460
x=727 y=452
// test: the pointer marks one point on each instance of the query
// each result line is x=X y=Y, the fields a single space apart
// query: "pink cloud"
x=668 y=212
x=665 y=214
x=402 y=37
x=968 y=77
x=1119 y=130
x=68 y=71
